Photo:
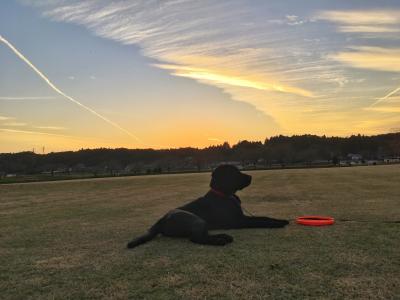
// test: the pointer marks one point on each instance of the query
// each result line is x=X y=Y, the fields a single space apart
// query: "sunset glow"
x=162 y=74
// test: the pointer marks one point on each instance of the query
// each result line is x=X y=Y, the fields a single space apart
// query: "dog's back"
x=218 y=212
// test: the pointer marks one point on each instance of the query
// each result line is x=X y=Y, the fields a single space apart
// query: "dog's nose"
x=246 y=180
x=249 y=179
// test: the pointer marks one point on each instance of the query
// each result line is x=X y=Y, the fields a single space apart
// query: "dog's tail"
x=151 y=234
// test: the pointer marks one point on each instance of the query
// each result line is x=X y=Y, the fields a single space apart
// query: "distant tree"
x=277 y=149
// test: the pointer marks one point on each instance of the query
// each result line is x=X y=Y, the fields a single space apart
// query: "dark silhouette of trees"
x=275 y=151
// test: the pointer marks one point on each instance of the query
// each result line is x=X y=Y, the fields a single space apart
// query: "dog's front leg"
x=200 y=235
x=215 y=239
x=263 y=222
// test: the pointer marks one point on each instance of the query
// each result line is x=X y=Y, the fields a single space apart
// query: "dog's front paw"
x=285 y=222
x=226 y=237
x=217 y=241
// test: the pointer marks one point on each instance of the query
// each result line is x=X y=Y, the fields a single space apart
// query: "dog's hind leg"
x=180 y=223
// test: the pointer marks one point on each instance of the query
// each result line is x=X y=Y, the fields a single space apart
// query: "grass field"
x=66 y=240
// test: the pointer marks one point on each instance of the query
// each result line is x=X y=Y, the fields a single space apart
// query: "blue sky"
x=195 y=73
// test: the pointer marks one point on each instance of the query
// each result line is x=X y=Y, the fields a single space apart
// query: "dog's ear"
x=228 y=179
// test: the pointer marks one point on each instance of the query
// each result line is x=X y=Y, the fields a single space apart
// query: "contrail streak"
x=7 y=130
x=38 y=132
x=57 y=90
x=385 y=97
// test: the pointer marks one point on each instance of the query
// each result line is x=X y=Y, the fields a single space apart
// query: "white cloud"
x=187 y=35
x=292 y=18
x=266 y=62
x=373 y=58
x=50 y=127
x=28 y=98
x=213 y=139
x=363 y=21
x=17 y=124
x=369 y=28
x=37 y=133
x=4 y=118
x=361 y=17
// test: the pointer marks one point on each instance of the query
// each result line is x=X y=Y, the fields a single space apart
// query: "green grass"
x=66 y=240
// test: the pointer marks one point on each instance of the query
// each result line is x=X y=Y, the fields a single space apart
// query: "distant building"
x=354 y=157
x=391 y=160
x=238 y=164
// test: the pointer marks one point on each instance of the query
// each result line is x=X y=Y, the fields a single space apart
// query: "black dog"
x=220 y=208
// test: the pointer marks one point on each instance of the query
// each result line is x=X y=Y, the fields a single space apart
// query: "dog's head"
x=228 y=179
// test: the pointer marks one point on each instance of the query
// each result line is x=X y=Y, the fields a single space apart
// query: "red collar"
x=218 y=193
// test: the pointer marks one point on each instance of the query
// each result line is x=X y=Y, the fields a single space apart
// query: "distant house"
x=351 y=159
x=354 y=157
x=238 y=164
x=391 y=160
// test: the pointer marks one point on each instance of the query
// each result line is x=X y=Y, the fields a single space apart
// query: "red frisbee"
x=315 y=220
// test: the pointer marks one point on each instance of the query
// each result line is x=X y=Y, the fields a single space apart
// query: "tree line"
x=297 y=149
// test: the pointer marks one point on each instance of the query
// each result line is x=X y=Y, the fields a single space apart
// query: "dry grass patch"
x=66 y=240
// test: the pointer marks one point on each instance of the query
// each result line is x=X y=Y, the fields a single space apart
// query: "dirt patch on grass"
x=366 y=287
x=61 y=262
x=158 y=262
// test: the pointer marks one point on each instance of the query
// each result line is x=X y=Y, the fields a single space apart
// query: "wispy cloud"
x=50 y=134
x=51 y=127
x=361 y=17
x=366 y=23
x=374 y=23
x=213 y=139
x=204 y=42
x=17 y=124
x=218 y=77
x=373 y=58
x=28 y=98
x=4 y=118
x=385 y=109
x=34 y=132
x=369 y=28
x=58 y=91
x=281 y=64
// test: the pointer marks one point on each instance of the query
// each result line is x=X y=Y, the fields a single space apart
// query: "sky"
x=166 y=74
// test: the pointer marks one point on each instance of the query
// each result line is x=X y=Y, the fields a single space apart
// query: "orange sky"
x=86 y=75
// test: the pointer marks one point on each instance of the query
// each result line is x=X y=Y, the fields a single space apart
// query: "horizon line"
x=214 y=145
